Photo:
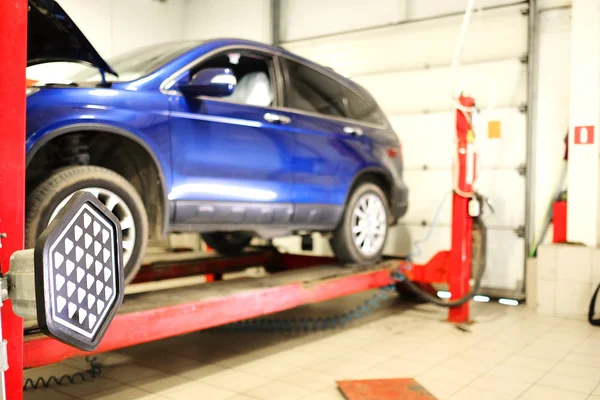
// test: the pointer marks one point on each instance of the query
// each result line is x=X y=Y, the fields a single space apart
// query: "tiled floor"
x=509 y=353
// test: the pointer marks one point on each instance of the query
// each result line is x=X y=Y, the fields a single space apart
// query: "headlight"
x=31 y=90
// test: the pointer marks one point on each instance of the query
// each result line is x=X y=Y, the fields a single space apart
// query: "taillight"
x=394 y=152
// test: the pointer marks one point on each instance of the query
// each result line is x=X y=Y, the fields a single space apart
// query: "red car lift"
x=150 y=316
x=454 y=266
x=145 y=317
x=13 y=59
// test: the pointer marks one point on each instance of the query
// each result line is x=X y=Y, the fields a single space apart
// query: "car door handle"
x=352 y=130
x=277 y=118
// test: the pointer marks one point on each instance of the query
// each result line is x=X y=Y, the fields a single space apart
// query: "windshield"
x=137 y=63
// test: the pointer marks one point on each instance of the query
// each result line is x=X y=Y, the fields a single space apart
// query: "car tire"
x=346 y=243
x=110 y=188
x=227 y=243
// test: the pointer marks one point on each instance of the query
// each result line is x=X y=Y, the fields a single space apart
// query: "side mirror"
x=72 y=282
x=217 y=82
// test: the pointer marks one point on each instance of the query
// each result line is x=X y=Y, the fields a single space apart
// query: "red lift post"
x=459 y=270
x=13 y=62
x=454 y=266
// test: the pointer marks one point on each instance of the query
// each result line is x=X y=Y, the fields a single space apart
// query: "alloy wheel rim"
x=118 y=207
x=369 y=224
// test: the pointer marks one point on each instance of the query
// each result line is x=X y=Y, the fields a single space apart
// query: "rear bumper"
x=398 y=202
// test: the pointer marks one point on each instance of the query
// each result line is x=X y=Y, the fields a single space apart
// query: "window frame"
x=366 y=103
x=288 y=84
x=168 y=86
x=348 y=117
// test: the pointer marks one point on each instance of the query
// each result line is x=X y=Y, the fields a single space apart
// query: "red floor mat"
x=384 y=389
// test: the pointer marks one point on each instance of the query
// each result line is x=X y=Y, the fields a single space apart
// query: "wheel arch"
x=158 y=214
x=376 y=175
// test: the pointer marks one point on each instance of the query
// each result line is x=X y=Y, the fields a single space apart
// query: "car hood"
x=53 y=36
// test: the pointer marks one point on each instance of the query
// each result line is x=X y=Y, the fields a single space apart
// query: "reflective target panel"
x=80 y=284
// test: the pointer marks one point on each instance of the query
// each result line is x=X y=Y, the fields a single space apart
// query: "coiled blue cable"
x=306 y=325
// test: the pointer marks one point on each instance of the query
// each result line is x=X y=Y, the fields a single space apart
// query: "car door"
x=232 y=156
x=330 y=147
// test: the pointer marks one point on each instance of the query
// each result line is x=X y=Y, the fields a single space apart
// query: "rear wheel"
x=227 y=243
x=362 y=233
x=114 y=191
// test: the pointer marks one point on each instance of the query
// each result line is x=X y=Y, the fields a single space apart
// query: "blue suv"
x=229 y=138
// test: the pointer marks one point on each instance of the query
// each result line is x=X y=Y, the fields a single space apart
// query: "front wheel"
x=114 y=191
x=361 y=235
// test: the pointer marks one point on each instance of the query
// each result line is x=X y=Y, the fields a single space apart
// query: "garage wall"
x=117 y=26
x=549 y=4
x=552 y=113
x=406 y=67
x=336 y=16
x=248 y=19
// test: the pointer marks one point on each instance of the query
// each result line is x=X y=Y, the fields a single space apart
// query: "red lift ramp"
x=150 y=316
x=206 y=263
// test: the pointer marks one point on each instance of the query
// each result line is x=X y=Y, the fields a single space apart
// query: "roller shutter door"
x=406 y=67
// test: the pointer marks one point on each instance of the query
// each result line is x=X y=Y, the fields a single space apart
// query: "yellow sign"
x=494 y=131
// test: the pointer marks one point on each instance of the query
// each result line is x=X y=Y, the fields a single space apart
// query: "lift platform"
x=292 y=281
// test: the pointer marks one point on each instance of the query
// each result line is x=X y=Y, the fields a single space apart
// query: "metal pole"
x=13 y=62
x=460 y=46
x=459 y=269
x=531 y=140
x=276 y=22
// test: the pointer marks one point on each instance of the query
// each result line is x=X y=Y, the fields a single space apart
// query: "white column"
x=583 y=207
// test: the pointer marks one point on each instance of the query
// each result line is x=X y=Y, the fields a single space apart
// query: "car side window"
x=360 y=110
x=311 y=91
x=254 y=75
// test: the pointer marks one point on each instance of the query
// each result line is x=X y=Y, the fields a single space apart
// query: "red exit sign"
x=584 y=134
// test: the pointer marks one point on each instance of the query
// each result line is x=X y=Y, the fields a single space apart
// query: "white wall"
x=137 y=23
x=117 y=26
x=552 y=113
x=547 y=4
x=301 y=19
x=247 y=19
x=308 y=18
x=566 y=277
x=418 y=9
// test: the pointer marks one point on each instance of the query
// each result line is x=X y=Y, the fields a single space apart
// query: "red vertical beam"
x=459 y=271
x=13 y=62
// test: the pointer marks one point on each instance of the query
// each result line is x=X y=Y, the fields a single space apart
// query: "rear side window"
x=360 y=110
x=311 y=91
